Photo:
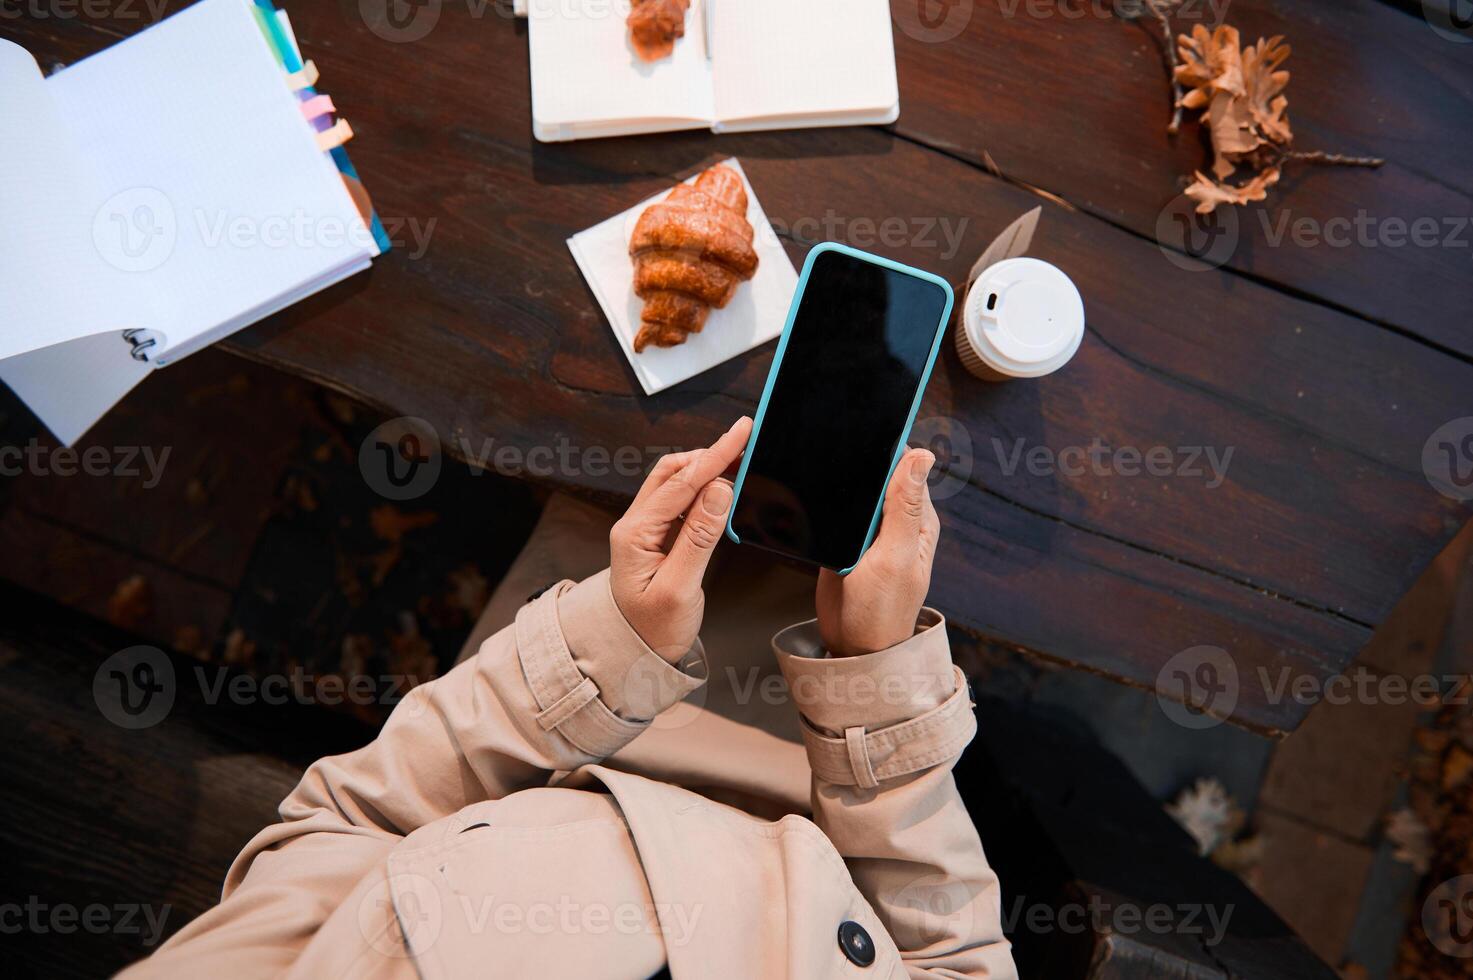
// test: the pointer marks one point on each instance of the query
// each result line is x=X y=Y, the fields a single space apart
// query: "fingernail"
x=921 y=468
x=737 y=424
x=716 y=501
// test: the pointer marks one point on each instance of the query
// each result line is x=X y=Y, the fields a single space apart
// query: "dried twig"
x=1333 y=159
x=1161 y=10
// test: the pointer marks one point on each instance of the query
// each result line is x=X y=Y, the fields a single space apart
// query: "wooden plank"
x=1069 y=98
x=86 y=572
x=100 y=815
x=181 y=476
x=491 y=335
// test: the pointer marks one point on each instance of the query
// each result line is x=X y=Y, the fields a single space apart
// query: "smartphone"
x=846 y=382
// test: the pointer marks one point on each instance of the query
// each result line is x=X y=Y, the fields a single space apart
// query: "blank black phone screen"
x=854 y=361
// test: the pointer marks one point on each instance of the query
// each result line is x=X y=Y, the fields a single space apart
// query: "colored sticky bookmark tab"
x=331 y=139
x=318 y=105
x=306 y=78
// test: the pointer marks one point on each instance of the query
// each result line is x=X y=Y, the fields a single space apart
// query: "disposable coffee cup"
x=1022 y=318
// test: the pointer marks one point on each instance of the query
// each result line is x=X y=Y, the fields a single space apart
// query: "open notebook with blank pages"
x=741 y=65
x=160 y=195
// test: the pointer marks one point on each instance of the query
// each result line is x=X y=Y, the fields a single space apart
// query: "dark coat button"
x=856 y=943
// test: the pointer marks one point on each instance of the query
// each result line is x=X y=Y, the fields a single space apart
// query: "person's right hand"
x=656 y=583
x=876 y=605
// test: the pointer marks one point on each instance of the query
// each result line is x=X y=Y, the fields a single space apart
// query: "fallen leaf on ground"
x=1456 y=766
x=190 y=640
x=1262 y=85
x=1211 y=63
x=1207 y=812
x=1412 y=840
x=389 y=523
x=1010 y=243
x=239 y=650
x=131 y=603
x=469 y=590
x=1208 y=193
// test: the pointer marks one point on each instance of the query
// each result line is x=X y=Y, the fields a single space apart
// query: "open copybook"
x=161 y=195
x=742 y=65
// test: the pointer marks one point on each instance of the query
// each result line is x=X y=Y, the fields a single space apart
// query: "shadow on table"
x=624 y=159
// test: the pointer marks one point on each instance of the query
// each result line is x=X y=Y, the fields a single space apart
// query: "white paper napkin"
x=754 y=316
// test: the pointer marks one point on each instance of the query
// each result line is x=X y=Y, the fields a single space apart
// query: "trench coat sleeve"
x=567 y=684
x=882 y=732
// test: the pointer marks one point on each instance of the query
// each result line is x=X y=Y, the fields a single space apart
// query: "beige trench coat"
x=480 y=835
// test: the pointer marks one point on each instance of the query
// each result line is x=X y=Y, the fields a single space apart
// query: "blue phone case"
x=777 y=360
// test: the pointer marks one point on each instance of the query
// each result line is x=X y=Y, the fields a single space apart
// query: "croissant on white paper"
x=655 y=25
x=691 y=251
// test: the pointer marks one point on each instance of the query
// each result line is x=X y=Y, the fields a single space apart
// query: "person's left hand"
x=656 y=582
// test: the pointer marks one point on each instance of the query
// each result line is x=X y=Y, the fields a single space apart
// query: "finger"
x=930 y=530
x=675 y=495
x=906 y=499
x=665 y=467
x=686 y=564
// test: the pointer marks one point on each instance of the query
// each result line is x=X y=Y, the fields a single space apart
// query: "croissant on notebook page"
x=654 y=26
x=691 y=251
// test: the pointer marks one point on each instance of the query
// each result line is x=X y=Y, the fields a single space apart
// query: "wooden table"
x=1324 y=369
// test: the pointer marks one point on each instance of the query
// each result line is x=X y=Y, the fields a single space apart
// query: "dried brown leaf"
x=1239 y=856
x=1209 y=194
x=1233 y=135
x=1207 y=812
x=239 y=651
x=1263 y=85
x=131 y=603
x=390 y=524
x=1457 y=765
x=1411 y=839
x=1210 y=63
x=469 y=590
x=1011 y=243
x=191 y=640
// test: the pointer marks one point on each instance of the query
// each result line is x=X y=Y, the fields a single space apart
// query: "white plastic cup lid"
x=1023 y=318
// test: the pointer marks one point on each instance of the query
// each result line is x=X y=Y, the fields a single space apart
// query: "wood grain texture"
x=1068 y=97
x=97 y=815
x=485 y=328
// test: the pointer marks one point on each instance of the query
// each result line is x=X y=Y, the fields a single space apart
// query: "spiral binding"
x=140 y=347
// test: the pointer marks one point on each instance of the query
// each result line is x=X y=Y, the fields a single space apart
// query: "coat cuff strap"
x=866 y=759
x=568 y=701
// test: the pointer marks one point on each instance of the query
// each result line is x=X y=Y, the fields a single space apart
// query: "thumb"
x=704 y=525
x=905 y=499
